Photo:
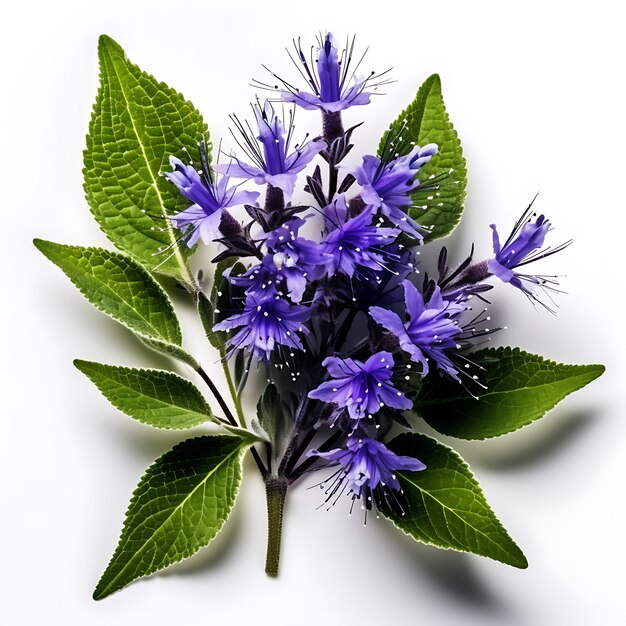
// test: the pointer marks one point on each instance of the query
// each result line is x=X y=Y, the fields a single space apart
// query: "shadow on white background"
x=536 y=92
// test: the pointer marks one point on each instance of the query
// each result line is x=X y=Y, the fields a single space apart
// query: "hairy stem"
x=233 y=393
x=332 y=181
x=276 y=492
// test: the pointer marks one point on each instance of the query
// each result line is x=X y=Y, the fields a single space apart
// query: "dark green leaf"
x=425 y=121
x=137 y=123
x=180 y=504
x=521 y=388
x=270 y=414
x=155 y=397
x=444 y=505
x=217 y=307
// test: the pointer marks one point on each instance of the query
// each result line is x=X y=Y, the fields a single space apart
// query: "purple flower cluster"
x=333 y=294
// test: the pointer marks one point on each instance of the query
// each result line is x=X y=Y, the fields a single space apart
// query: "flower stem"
x=233 y=392
x=217 y=395
x=229 y=416
x=276 y=492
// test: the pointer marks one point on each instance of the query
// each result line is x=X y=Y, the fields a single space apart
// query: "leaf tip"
x=593 y=371
x=433 y=80
x=80 y=364
x=598 y=370
x=100 y=592
x=516 y=557
x=104 y=41
x=40 y=244
x=108 y=45
x=46 y=248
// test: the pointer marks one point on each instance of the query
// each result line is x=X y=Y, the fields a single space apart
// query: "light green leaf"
x=137 y=123
x=521 y=388
x=444 y=505
x=179 y=505
x=425 y=121
x=120 y=287
x=155 y=397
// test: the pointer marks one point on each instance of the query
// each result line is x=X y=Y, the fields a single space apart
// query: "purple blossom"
x=388 y=186
x=267 y=323
x=329 y=78
x=298 y=260
x=210 y=199
x=430 y=331
x=360 y=388
x=367 y=470
x=357 y=243
x=523 y=246
x=272 y=161
x=291 y=263
x=260 y=280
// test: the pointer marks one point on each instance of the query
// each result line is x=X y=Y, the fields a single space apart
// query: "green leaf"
x=270 y=415
x=445 y=506
x=521 y=388
x=137 y=123
x=425 y=121
x=120 y=287
x=171 y=350
x=216 y=308
x=179 y=505
x=154 y=397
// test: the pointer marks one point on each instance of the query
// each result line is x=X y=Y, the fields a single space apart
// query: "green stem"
x=233 y=392
x=276 y=492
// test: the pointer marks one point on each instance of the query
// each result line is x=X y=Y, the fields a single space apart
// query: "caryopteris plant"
x=316 y=293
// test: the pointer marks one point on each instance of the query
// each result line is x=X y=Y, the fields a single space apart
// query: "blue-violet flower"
x=357 y=243
x=430 y=330
x=387 y=186
x=329 y=80
x=362 y=388
x=368 y=471
x=273 y=163
x=297 y=259
x=523 y=246
x=268 y=322
x=209 y=198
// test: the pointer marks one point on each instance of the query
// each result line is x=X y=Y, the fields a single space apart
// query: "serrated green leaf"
x=444 y=505
x=425 y=121
x=137 y=123
x=521 y=388
x=120 y=287
x=154 y=397
x=179 y=505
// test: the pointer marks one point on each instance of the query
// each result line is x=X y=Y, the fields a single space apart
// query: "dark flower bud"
x=389 y=343
x=229 y=226
x=356 y=206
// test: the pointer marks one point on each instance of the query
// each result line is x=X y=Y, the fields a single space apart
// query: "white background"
x=535 y=90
